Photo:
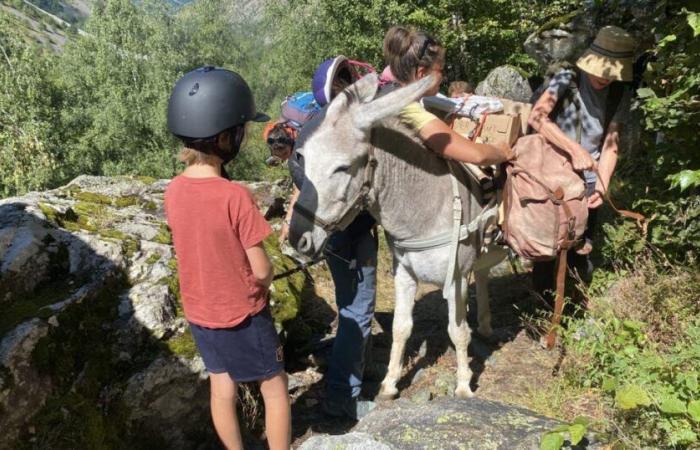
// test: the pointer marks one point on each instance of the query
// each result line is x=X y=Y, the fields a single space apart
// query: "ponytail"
x=406 y=50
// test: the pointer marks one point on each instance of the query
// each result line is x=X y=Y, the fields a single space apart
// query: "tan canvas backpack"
x=544 y=200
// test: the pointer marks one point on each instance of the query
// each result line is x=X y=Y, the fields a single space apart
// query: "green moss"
x=112 y=234
x=154 y=258
x=127 y=200
x=91 y=197
x=163 y=236
x=558 y=21
x=51 y=214
x=145 y=180
x=150 y=206
x=182 y=345
x=173 y=285
x=77 y=414
x=130 y=246
x=286 y=292
x=29 y=305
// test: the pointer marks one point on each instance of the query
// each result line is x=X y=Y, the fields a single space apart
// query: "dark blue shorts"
x=250 y=351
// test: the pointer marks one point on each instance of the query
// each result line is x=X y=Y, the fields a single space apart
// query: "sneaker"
x=354 y=409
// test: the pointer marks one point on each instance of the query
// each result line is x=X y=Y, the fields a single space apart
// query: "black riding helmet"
x=209 y=100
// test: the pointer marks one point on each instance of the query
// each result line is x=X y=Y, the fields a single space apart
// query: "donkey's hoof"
x=464 y=393
x=387 y=395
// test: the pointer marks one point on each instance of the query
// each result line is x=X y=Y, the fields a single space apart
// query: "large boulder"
x=445 y=424
x=506 y=82
x=92 y=337
x=564 y=38
x=561 y=39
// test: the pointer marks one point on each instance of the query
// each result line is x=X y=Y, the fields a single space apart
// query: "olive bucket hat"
x=610 y=56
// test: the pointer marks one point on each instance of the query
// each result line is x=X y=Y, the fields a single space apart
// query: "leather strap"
x=551 y=337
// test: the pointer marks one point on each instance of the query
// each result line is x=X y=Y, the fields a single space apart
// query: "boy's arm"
x=260 y=265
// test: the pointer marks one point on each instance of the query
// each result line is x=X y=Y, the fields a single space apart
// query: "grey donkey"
x=362 y=157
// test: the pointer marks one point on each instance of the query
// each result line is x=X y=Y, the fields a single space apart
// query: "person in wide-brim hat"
x=610 y=56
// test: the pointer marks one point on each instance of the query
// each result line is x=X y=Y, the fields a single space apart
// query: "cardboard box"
x=518 y=108
x=464 y=126
x=497 y=128
x=501 y=128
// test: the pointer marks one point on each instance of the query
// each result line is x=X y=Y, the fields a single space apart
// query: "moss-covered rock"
x=95 y=351
x=449 y=424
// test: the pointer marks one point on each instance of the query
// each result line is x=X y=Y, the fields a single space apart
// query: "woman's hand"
x=581 y=160
x=506 y=151
x=284 y=232
x=595 y=200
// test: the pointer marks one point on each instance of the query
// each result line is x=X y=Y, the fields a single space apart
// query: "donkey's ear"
x=364 y=89
x=369 y=114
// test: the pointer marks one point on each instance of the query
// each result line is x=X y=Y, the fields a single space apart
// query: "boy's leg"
x=223 y=410
x=278 y=417
x=355 y=298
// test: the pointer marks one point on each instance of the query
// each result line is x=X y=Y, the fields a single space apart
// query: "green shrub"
x=640 y=346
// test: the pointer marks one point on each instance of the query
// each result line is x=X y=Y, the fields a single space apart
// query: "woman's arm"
x=539 y=120
x=443 y=140
x=606 y=165
x=284 y=234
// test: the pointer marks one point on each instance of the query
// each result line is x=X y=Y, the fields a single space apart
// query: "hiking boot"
x=354 y=409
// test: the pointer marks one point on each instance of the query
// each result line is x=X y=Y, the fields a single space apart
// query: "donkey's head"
x=337 y=160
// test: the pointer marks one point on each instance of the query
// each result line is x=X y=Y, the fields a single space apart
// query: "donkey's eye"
x=342 y=169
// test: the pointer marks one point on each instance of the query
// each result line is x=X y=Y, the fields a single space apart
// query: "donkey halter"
x=359 y=202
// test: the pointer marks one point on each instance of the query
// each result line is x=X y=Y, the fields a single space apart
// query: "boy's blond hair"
x=190 y=156
x=459 y=88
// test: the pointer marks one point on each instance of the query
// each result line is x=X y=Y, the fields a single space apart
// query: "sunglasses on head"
x=280 y=140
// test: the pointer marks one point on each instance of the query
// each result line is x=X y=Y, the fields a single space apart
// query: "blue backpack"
x=299 y=107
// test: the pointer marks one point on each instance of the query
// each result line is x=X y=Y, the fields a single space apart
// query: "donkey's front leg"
x=405 y=286
x=460 y=334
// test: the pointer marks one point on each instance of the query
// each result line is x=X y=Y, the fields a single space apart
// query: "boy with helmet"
x=223 y=269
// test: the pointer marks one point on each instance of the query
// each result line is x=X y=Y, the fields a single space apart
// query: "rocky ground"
x=505 y=371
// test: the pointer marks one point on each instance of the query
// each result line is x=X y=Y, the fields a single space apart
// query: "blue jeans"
x=355 y=289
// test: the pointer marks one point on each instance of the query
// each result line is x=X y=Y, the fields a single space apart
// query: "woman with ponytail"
x=413 y=55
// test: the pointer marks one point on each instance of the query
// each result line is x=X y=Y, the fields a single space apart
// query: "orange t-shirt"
x=213 y=222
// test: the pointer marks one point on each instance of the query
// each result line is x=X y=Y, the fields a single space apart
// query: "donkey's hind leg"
x=405 y=286
x=483 y=307
x=460 y=334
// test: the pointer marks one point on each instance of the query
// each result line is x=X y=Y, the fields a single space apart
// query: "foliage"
x=99 y=106
x=28 y=109
x=639 y=345
x=478 y=35
x=573 y=432
x=663 y=176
